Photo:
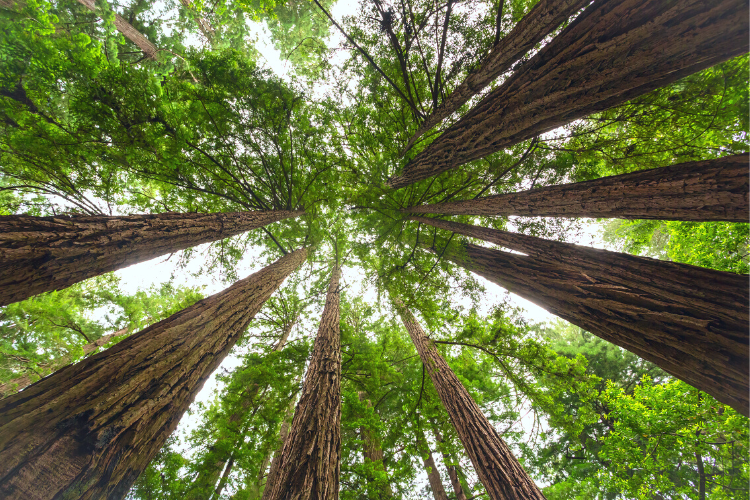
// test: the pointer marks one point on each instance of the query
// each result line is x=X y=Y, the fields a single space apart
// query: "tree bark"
x=283 y=434
x=20 y=383
x=708 y=351
x=127 y=30
x=452 y=472
x=433 y=474
x=202 y=22
x=41 y=254
x=497 y=468
x=91 y=428
x=373 y=452
x=541 y=20
x=712 y=190
x=614 y=51
x=310 y=463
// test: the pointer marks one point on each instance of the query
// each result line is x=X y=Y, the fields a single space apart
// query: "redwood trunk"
x=497 y=468
x=91 y=428
x=712 y=190
x=283 y=434
x=127 y=30
x=708 y=351
x=541 y=20
x=614 y=51
x=310 y=463
x=19 y=383
x=452 y=471
x=433 y=474
x=40 y=254
x=373 y=452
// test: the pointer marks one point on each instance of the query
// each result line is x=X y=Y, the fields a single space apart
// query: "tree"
x=498 y=469
x=712 y=190
x=644 y=45
x=127 y=400
x=124 y=27
x=50 y=253
x=309 y=465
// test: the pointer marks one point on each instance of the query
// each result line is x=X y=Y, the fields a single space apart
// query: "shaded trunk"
x=433 y=474
x=497 y=468
x=452 y=471
x=127 y=30
x=373 y=452
x=40 y=254
x=712 y=190
x=90 y=429
x=614 y=51
x=541 y=20
x=708 y=351
x=19 y=383
x=222 y=450
x=310 y=463
x=203 y=24
x=283 y=434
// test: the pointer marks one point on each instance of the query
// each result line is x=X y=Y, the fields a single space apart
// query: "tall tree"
x=543 y=18
x=497 y=468
x=710 y=353
x=372 y=451
x=712 y=190
x=614 y=51
x=433 y=474
x=90 y=429
x=124 y=27
x=458 y=490
x=39 y=254
x=310 y=463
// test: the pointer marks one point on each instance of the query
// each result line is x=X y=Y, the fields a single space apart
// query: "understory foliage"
x=88 y=125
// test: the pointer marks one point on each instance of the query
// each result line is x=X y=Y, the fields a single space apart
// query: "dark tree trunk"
x=373 y=452
x=433 y=474
x=41 y=254
x=221 y=451
x=541 y=20
x=614 y=51
x=310 y=463
x=708 y=350
x=18 y=383
x=712 y=190
x=497 y=468
x=283 y=434
x=91 y=428
x=452 y=471
x=127 y=30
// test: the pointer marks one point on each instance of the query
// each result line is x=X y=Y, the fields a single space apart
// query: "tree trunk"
x=127 y=30
x=541 y=20
x=91 y=428
x=40 y=254
x=221 y=451
x=433 y=474
x=452 y=472
x=310 y=463
x=373 y=452
x=283 y=434
x=709 y=352
x=497 y=468
x=614 y=51
x=202 y=22
x=712 y=190
x=20 y=383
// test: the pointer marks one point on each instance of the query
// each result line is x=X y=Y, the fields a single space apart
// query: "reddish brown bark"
x=612 y=52
x=433 y=474
x=127 y=30
x=452 y=471
x=683 y=336
x=91 y=428
x=18 y=383
x=310 y=463
x=541 y=20
x=497 y=468
x=40 y=254
x=712 y=190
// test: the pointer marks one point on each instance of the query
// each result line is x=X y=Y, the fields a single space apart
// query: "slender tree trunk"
x=221 y=451
x=283 y=434
x=310 y=463
x=40 y=254
x=373 y=452
x=224 y=477
x=19 y=383
x=541 y=20
x=614 y=51
x=497 y=468
x=202 y=22
x=452 y=472
x=712 y=190
x=91 y=428
x=709 y=352
x=433 y=474
x=127 y=30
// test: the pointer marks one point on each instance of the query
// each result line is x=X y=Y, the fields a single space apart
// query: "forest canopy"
x=275 y=163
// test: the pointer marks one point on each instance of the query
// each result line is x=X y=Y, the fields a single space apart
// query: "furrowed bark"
x=310 y=463
x=433 y=474
x=20 y=383
x=41 y=254
x=541 y=20
x=708 y=351
x=220 y=452
x=497 y=468
x=712 y=190
x=91 y=428
x=614 y=51
x=373 y=452
x=127 y=30
x=452 y=472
